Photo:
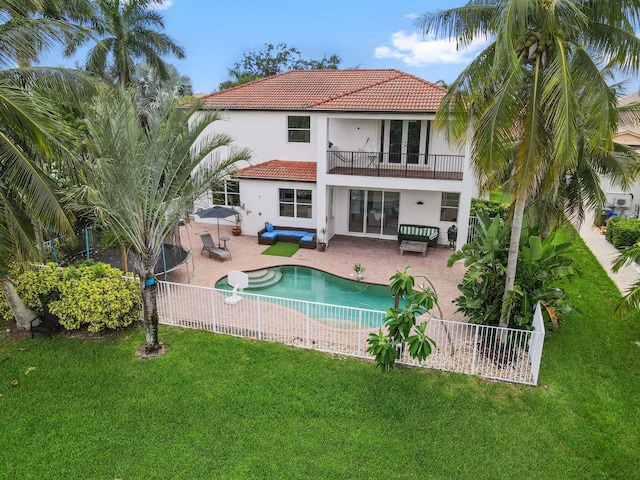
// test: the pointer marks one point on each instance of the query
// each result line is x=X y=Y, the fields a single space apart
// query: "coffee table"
x=411 y=246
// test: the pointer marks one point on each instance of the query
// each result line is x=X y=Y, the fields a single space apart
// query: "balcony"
x=398 y=165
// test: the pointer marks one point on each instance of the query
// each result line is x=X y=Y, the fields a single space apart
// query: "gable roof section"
x=629 y=137
x=281 y=170
x=385 y=90
x=628 y=122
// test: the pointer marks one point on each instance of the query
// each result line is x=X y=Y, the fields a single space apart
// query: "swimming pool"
x=309 y=284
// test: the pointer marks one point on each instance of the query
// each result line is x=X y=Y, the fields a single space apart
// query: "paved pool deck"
x=381 y=259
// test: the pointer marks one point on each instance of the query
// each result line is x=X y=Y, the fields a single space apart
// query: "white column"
x=467 y=191
x=320 y=202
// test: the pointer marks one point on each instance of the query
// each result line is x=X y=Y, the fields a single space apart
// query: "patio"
x=381 y=258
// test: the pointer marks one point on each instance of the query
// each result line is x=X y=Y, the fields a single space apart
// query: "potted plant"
x=322 y=245
x=237 y=228
x=359 y=269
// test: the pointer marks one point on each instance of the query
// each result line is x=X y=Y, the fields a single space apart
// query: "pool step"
x=264 y=278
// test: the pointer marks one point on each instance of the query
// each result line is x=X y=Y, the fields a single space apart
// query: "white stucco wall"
x=614 y=192
x=260 y=197
x=354 y=134
x=265 y=134
x=428 y=213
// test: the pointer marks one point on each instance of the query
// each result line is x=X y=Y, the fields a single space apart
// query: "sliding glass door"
x=374 y=212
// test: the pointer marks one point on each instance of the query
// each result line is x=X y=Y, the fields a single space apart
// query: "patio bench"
x=306 y=238
x=418 y=233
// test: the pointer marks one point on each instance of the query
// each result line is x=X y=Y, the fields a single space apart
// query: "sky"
x=364 y=33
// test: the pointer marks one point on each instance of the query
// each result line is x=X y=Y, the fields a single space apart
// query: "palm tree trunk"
x=123 y=254
x=150 y=312
x=512 y=260
x=37 y=231
x=23 y=314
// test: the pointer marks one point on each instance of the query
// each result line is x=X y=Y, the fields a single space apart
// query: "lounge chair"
x=213 y=251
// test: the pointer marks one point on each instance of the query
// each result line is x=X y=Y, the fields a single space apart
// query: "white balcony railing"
x=403 y=165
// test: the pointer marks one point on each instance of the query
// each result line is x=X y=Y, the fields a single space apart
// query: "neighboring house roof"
x=628 y=137
x=628 y=123
x=281 y=170
x=332 y=90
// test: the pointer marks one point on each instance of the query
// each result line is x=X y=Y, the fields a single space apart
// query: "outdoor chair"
x=213 y=251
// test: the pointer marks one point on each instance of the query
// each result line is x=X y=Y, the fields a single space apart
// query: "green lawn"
x=221 y=407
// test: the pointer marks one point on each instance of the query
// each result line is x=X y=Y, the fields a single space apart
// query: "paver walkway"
x=606 y=255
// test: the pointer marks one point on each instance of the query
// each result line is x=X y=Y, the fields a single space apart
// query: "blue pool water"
x=304 y=283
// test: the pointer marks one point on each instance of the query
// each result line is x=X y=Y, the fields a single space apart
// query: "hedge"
x=91 y=295
x=492 y=209
x=623 y=232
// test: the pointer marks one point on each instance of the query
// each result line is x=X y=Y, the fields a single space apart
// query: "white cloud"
x=418 y=51
x=160 y=6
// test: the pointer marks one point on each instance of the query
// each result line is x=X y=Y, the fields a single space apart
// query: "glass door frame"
x=406 y=153
x=370 y=218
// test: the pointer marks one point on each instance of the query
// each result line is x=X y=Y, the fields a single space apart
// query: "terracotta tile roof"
x=281 y=170
x=337 y=90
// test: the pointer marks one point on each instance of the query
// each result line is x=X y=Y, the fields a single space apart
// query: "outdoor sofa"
x=418 y=233
x=304 y=237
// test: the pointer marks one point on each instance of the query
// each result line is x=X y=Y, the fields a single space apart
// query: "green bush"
x=623 y=232
x=33 y=286
x=92 y=295
x=542 y=265
x=488 y=207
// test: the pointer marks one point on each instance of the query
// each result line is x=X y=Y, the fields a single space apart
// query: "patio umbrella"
x=217 y=212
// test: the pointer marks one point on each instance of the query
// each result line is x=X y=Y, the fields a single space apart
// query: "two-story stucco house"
x=624 y=201
x=352 y=151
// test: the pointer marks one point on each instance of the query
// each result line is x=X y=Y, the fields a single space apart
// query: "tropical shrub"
x=401 y=323
x=623 y=232
x=541 y=265
x=488 y=207
x=33 y=286
x=91 y=295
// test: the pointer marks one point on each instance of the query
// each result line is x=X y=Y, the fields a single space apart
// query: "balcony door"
x=406 y=141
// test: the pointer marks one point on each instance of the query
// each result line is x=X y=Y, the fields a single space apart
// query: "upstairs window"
x=298 y=129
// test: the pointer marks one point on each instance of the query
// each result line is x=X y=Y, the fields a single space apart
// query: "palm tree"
x=239 y=78
x=143 y=179
x=31 y=136
x=32 y=26
x=538 y=87
x=151 y=88
x=127 y=32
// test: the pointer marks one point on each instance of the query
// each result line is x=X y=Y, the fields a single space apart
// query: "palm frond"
x=630 y=302
x=476 y=20
x=145 y=178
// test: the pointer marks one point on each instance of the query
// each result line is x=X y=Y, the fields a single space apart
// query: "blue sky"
x=364 y=33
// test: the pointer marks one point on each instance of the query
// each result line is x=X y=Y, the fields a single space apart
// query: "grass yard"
x=221 y=407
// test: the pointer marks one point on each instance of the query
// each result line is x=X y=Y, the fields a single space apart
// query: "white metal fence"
x=490 y=352
x=473 y=221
